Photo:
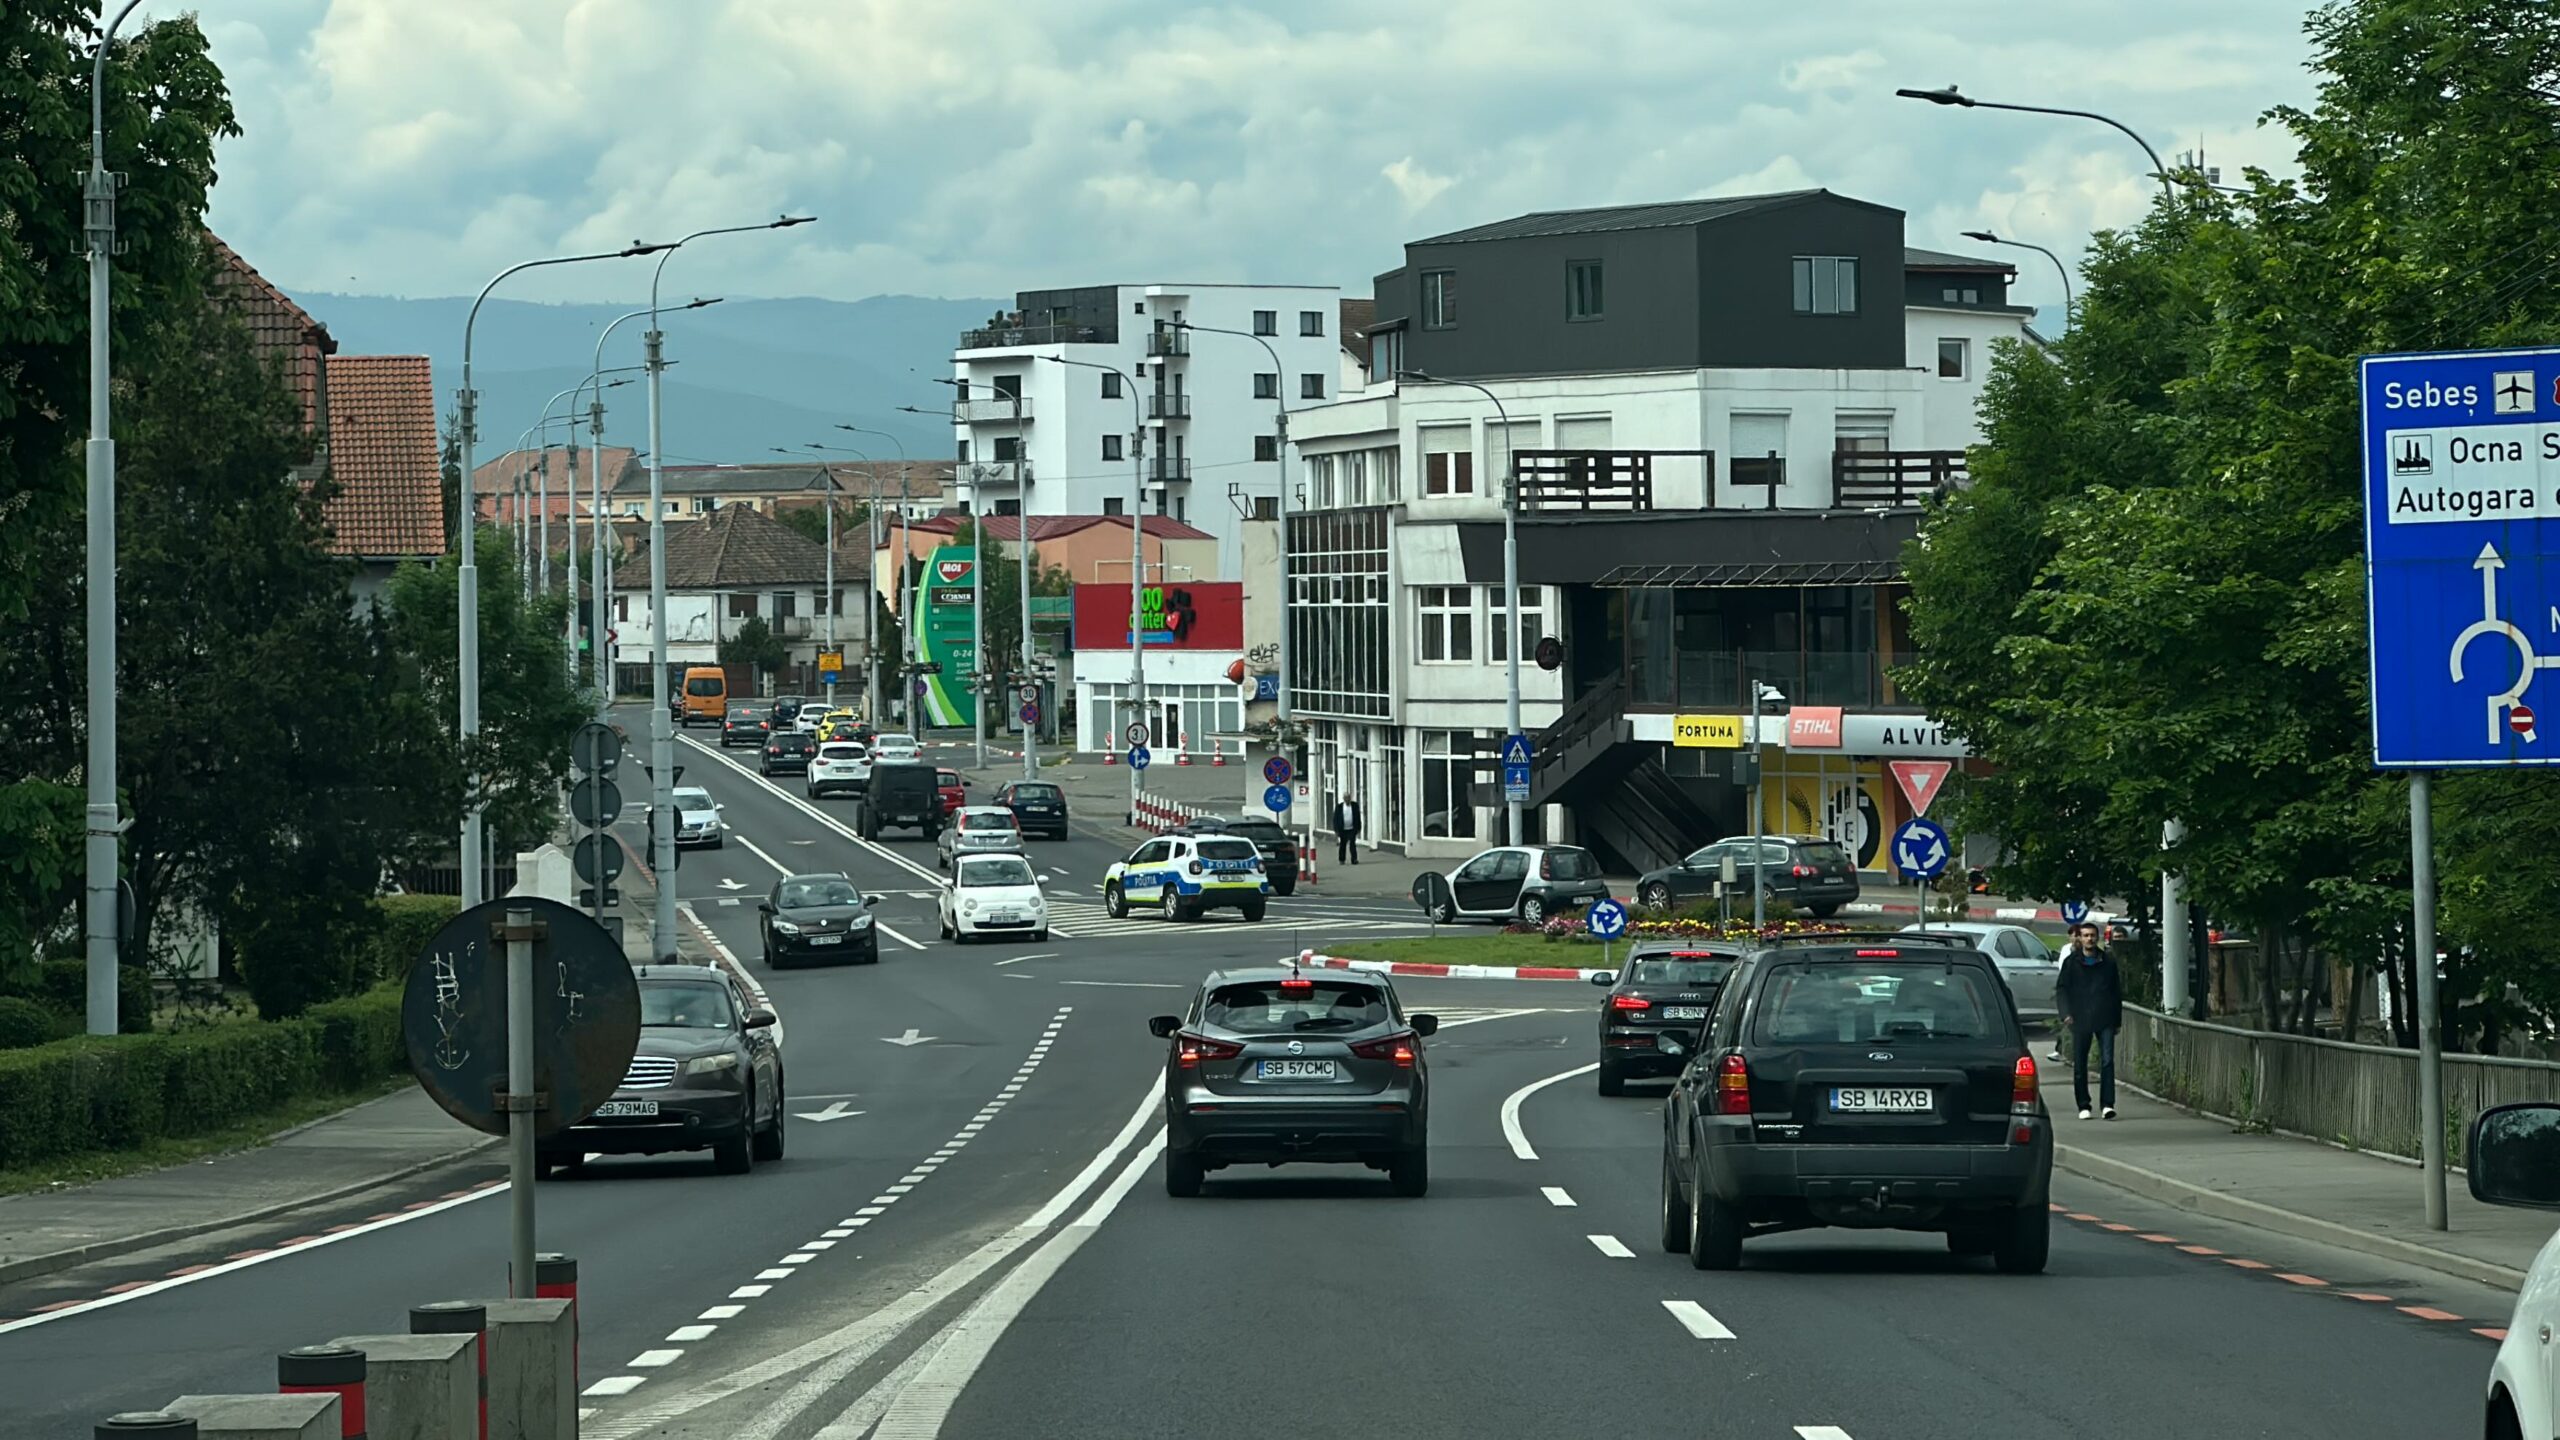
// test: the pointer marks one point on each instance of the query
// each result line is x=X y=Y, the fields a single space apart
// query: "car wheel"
x=1823 y=912
x=1715 y=1229
x=1448 y=914
x=1285 y=888
x=1254 y=910
x=2502 y=1423
x=1533 y=910
x=1612 y=1082
x=1182 y=1174
x=2023 y=1241
x=1115 y=904
x=734 y=1156
x=768 y=1142
x=1410 y=1171
x=720 y=843
x=1656 y=896
x=1673 y=1209
x=1039 y=937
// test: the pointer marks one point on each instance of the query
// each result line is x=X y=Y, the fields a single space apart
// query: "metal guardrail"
x=2361 y=1096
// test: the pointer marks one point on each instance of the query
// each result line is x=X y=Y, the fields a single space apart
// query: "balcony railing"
x=1888 y=479
x=1164 y=468
x=1165 y=405
x=1162 y=343
x=1553 y=481
x=1720 y=680
x=1006 y=337
x=1765 y=473
x=995 y=474
x=796 y=627
x=999 y=410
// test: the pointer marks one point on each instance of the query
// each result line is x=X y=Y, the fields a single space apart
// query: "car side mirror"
x=764 y=907
x=2515 y=1156
x=1424 y=1024
x=720 y=807
x=1163 y=1026
x=1605 y=979
x=761 y=1019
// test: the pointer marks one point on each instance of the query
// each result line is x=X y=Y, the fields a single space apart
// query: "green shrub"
x=360 y=1040
x=407 y=923
x=224 y=1074
x=24 y=1024
x=62 y=986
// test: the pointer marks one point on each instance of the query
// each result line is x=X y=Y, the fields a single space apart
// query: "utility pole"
x=595 y=422
x=1280 y=433
x=871 y=492
x=1510 y=575
x=1137 y=557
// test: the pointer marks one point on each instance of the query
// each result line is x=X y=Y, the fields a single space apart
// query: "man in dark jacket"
x=2090 y=994
x=1346 y=831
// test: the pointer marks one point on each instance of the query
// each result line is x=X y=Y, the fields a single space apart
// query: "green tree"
x=754 y=646
x=853 y=520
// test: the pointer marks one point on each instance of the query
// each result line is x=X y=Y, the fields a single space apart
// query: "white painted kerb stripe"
x=1511 y=1108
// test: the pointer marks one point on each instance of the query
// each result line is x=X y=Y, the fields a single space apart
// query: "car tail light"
x=1802 y=872
x=1629 y=1002
x=2023 y=1083
x=1733 y=1086
x=1297 y=982
x=1397 y=1047
x=1879 y=954
x=1196 y=1048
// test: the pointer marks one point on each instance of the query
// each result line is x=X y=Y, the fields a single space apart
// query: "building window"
x=1266 y=322
x=1439 y=299
x=1448 y=623
x=785 y=604
x=1008 y=387
x=1008 y=507
x=1966 y=296
x=1311 y=322
x=1582 y=290
x=1266 y=447
x=1181 y=508
x=1113 y=505
x=1111 y=448
x=1311 y=387
x=964 y=449
x=960 y=389
x=1448 y=789
x=1952 y=355
x=1266 y=507
x=1533 y=607
x=1448 y=461
x=741 y=606
x=1110 y=384
x=1008 y=447
x=1826 y=285
x=1266 y=387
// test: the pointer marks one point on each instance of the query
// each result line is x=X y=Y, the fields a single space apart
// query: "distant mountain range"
x=743 y=376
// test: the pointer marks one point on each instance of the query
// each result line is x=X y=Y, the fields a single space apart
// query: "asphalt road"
x=979 y=1244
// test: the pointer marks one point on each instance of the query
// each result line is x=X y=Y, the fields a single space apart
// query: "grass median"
x=1459 y=945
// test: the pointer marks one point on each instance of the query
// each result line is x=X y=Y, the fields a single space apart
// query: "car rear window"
x=1257 y=830
x=996 y=870
x=1823 y=852
x=1268 y=1008
x=1866 y=1001
x=840 y=751
x=706 y=685
x=1035 y=792
x=1678 y=970
x=986 y=822
x=950 y=778
x=1227 y=848
x=1568 y=864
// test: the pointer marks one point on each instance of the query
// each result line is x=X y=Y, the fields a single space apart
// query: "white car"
x=994 y=895
x=896 y=747
x=2515 y=1160
x=2025 y=959
x=978 y=830
x=840 y=767
x=697 y=818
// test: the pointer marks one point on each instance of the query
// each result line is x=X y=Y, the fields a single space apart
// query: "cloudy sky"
x=958 y=147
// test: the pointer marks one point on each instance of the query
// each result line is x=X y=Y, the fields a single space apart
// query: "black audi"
x=1657 y=1006
x=817 y=917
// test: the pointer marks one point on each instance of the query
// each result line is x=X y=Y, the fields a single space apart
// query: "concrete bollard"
x=459 y=1317
x=533 y=1377
x=555 y=1277
x=146 y=1424
x=419 y=1387
x=261 y=1417
x=327 y=1370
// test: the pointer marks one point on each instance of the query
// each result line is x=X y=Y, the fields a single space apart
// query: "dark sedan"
x=788 y=752
x=1039 y=807
x=707 y=1075
x=1279 y=850
x=1808 y=871
x=817 y=917
x=1656 y=1008
x=1272 y=1066
x=745 y=725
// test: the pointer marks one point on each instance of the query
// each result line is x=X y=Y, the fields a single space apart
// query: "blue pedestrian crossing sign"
x=2074 y=911
x=1138 y=757
x=1606 y=919
x=1920 y=848
x=1276 y=799
x=1516 y=752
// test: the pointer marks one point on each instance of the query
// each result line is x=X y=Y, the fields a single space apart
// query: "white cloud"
x=1418 y=186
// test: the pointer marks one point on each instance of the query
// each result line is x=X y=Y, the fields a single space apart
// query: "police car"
x=1183 y=877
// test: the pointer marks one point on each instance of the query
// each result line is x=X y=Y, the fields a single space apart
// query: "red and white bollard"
x=327 y=1370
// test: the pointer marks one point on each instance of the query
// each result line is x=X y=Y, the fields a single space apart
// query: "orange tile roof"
x=281 y=330
x=493 y=481
x=384 y=454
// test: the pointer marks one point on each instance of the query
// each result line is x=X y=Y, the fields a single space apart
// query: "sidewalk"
x=2366 y=1203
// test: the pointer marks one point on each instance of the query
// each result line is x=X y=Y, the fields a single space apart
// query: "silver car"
x=698 y=818
x=978 y=830
x=2026 y=961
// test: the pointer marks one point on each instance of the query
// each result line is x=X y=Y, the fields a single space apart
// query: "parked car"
x=1182 y=877
x=1656 y=1010
x=2515 y=1161
x=1279 y=849
x=745 y=725
x=707 y=1075
x=1526 y=883
x=978 y=830
x=817 y=917
x=786 y=751
x=1811 y=872
x=901 y=794
x=841 y=768
x=993 y=894
x=2026 y=960
x=1038 y=806
x=698 y=818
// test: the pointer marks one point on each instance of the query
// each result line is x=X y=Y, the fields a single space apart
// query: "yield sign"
x=1920 y=780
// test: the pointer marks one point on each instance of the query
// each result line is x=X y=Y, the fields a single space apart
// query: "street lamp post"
x=1510 y=573
x=871 y=495
x=1949 y=95
x=662 y=729
x=876 y=533
x=595 y=431
x=1987 y=238
x=829 y=506
x=1137 y=554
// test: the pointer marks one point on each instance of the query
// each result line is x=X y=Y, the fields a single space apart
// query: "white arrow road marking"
x=728 y=884
x=910 y=1038
x=1694 y=1318
x=837 y=1111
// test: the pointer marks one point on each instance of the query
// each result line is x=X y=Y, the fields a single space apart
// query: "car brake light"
x=1802 y=871
x=1733 y=1086
x=1629 y=1002
x=1196 y=1048
x=1879 y=954
x=1397 y=1047
x=2023 y=1082
x=1297 y=982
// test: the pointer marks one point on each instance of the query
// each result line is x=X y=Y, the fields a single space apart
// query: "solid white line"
x=1511 y=1108
x=655 y=1359
x=896 y=935
x=615 y=1385
x=760 y=854
x=1611 y=1246
x=173 y=1282
x=1822 y=1432
x=1018 y=959
x=1695 y=1319
x=687 y=1334
x=1556 y=1195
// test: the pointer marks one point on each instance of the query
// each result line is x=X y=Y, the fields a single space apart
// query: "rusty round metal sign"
x=586 y=1015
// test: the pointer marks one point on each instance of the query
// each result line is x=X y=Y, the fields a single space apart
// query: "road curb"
x=1456 y=972
x=29 y=1267
x=2223 y=1206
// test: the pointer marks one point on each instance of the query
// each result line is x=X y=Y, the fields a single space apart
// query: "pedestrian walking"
x=1346 y=831
x=2089 y=993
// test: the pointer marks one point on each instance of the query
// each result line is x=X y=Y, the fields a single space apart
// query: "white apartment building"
x=1036 y=434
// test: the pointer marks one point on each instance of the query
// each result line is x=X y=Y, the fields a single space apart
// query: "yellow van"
x=706 y=695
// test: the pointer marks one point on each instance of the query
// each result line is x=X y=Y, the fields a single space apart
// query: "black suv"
x=1877 y=1081
x=1039 y=807
x=902 y=793
x=1279 y=850
x=1808 y=871
x=788 y=750
x=1656 y=1008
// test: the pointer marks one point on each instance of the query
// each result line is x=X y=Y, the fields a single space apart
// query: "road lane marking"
x=1694 y=1318
x=776 y=1273
x=655 y=1359
x=687 y=1334
x=723 y=1312
x=898 y=936
x=1018 y=959
x=749 y=1292
x=759 y=852
x=615 y=1385
x=1822 y=1432
x=1611 y=1246
x=1556 y=1195
x=1511 y=1108
x=1130 y=984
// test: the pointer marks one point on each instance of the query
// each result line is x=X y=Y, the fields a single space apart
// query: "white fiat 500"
x=994 y=895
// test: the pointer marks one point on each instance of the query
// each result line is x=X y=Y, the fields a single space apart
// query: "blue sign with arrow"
x=1516 y=753
x=1920 y=848
x=2462 y=529
x=1138 y=757
x=1606 y=919
x=2074 y=911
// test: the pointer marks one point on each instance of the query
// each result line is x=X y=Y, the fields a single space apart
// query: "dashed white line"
x=687 y=1334
x=777 y=1273
x=1822 y=1432
x=749 y=1292
x=1556 y=1196
x=615 y=1385
x=820 y=1244
x=865 y=1213
x=655 y=1359
x=723 y=1312
x=1694 y=1318
x=797 y=1257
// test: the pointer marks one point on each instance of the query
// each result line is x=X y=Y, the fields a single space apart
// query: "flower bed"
x=1573 y=927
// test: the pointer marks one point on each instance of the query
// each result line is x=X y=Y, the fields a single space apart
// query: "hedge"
x=62 y=986
x=111 y=1092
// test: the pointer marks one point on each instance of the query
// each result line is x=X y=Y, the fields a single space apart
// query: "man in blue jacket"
x=2090 y=994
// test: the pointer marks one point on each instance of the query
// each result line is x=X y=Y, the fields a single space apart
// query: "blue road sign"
x=1138 y=757
x=1266 y=687
x=1030 y=713
x=1516 y=750
x=1515 y=769
x=2462 y=526
x=1276 y=771
x=2074 y=911
x=1276 y=799
x=1920 y=848
x=1606 y=919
